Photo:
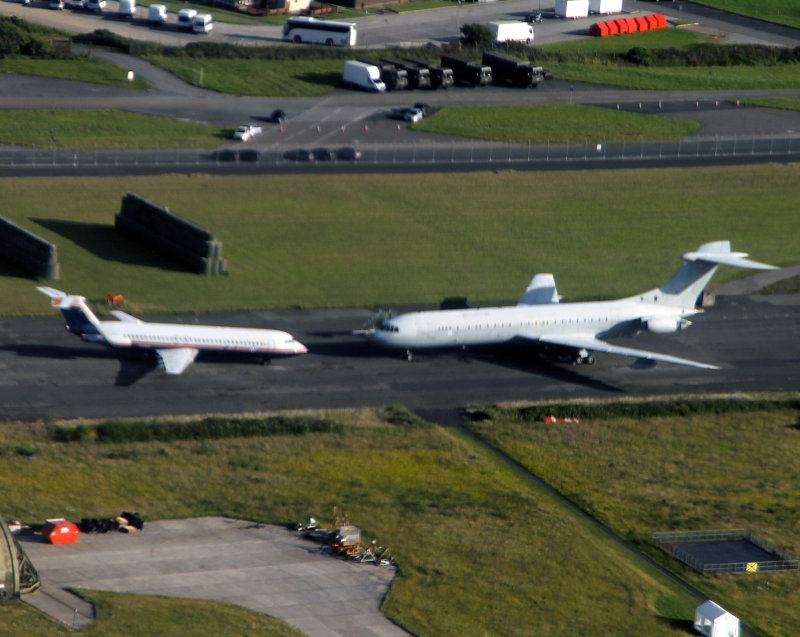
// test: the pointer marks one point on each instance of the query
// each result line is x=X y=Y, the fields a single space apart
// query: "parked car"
x=299 y=154
x=323 y=154
x=277 y=116
x=96 y=5
x=413 y=115
x=348 y=153
x=426 y=110
x=57 y=4
x=249 y=154
x=246 y=132
x=226 y=154
x=76 y=4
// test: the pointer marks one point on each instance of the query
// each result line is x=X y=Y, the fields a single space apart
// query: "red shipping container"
x=613 y=29
x=60 y=531
x=622 y=25
x=641 y=22
x=662 y=21
x=598 y=29
x=632 y=26
x=652 y=21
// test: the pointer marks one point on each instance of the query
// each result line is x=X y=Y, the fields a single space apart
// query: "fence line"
x=455 y=153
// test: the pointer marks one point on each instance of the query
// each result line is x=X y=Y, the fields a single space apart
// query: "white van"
x=203 y=23
x=156 y=14
x=511 y=31
x=127 y=9
x=363 y=75
x=186 y=19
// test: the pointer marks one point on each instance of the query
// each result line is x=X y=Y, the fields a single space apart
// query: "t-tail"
x=81 y=321
x=685 y=288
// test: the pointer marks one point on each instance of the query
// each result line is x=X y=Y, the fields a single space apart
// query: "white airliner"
x=539 y=318
x=176 y=344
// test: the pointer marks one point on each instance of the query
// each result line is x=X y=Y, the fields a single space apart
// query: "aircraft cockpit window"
x=388 y=327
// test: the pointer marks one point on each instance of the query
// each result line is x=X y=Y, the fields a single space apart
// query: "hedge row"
x=641 y=409
x=211 y=428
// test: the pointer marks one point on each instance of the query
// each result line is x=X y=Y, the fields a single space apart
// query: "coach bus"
x=313 y=31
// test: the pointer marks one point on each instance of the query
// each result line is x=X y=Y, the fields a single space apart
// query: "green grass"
x=779 y=11
x=696 y=472
x=267 y=78
x=555 y=124
x=480 y=550
x=371 y=240
x=146 y=616
x=659 y=39
x=84 y=69
x=679 y=78
x=105 y=130
x=785 y=103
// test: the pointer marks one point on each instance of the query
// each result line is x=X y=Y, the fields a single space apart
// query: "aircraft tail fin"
x=687 y=284
x=80 y=319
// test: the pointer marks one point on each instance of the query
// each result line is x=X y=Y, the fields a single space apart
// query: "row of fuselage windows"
x=520 y=324
x=158 y=338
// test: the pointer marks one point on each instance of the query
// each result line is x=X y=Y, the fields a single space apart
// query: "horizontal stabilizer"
x=125 y=317
x=585 y=341
x=719 y=252
x=541 y=291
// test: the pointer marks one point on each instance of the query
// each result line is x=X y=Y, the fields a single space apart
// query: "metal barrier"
x=461 y=152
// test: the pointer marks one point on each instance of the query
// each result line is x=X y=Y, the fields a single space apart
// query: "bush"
x=638 y=55
x=475 y=34
x=104 y=37
x=212 y=428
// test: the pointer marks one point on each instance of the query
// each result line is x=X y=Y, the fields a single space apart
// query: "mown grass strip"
x=778 y=11
x=105 y=130
x=555 y=124
x=78 y=69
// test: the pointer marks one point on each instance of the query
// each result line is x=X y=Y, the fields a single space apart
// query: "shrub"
x=638 y=55
x=475 y=34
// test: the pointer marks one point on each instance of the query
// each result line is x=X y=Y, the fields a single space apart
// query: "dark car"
x=249 y=154
x=299 y=154
x=226 y=154
x=425 y=108
x=348 y=153
x=278 y=116
x=323 y=154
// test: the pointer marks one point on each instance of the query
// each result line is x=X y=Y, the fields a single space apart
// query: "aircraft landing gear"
x=408 y=355
x=583 y=357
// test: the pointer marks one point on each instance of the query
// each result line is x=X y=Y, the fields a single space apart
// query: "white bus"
x=313 y=31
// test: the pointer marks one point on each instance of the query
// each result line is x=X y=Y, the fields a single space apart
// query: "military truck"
x=393 y=77
x=466 y=72
x=417 y=77
x=441 y=76
x=507 y=69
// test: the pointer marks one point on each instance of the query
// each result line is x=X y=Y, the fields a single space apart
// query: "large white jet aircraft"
x=176 y=344
x=539 y=318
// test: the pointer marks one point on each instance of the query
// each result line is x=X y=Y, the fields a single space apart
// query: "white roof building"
x=712 y=620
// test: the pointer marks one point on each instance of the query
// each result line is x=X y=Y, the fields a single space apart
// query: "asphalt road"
x=48 y=373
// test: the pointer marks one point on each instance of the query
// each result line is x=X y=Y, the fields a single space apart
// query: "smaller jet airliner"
x=539 y=319
x=176 y=344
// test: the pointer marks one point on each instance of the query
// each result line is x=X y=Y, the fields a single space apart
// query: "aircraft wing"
x=125 y=317
x=176 y=359
x=586 y=341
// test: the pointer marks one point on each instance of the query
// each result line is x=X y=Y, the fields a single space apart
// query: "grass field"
x=480 y=549
x=555 y=124
x=370 y=240
x=87 y=69
x=779 y=11
x=102 y=130
x=267 y=78
x=698 y=472
x=786 y=103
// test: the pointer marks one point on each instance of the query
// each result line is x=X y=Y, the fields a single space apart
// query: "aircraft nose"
x=299 y=348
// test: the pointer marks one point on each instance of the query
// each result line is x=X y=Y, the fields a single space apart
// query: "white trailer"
x=363 y=75
x=511 y=31
x=605 y=6
x=572 y=8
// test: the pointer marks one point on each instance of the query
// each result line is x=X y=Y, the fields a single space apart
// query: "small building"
x=712 y=620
